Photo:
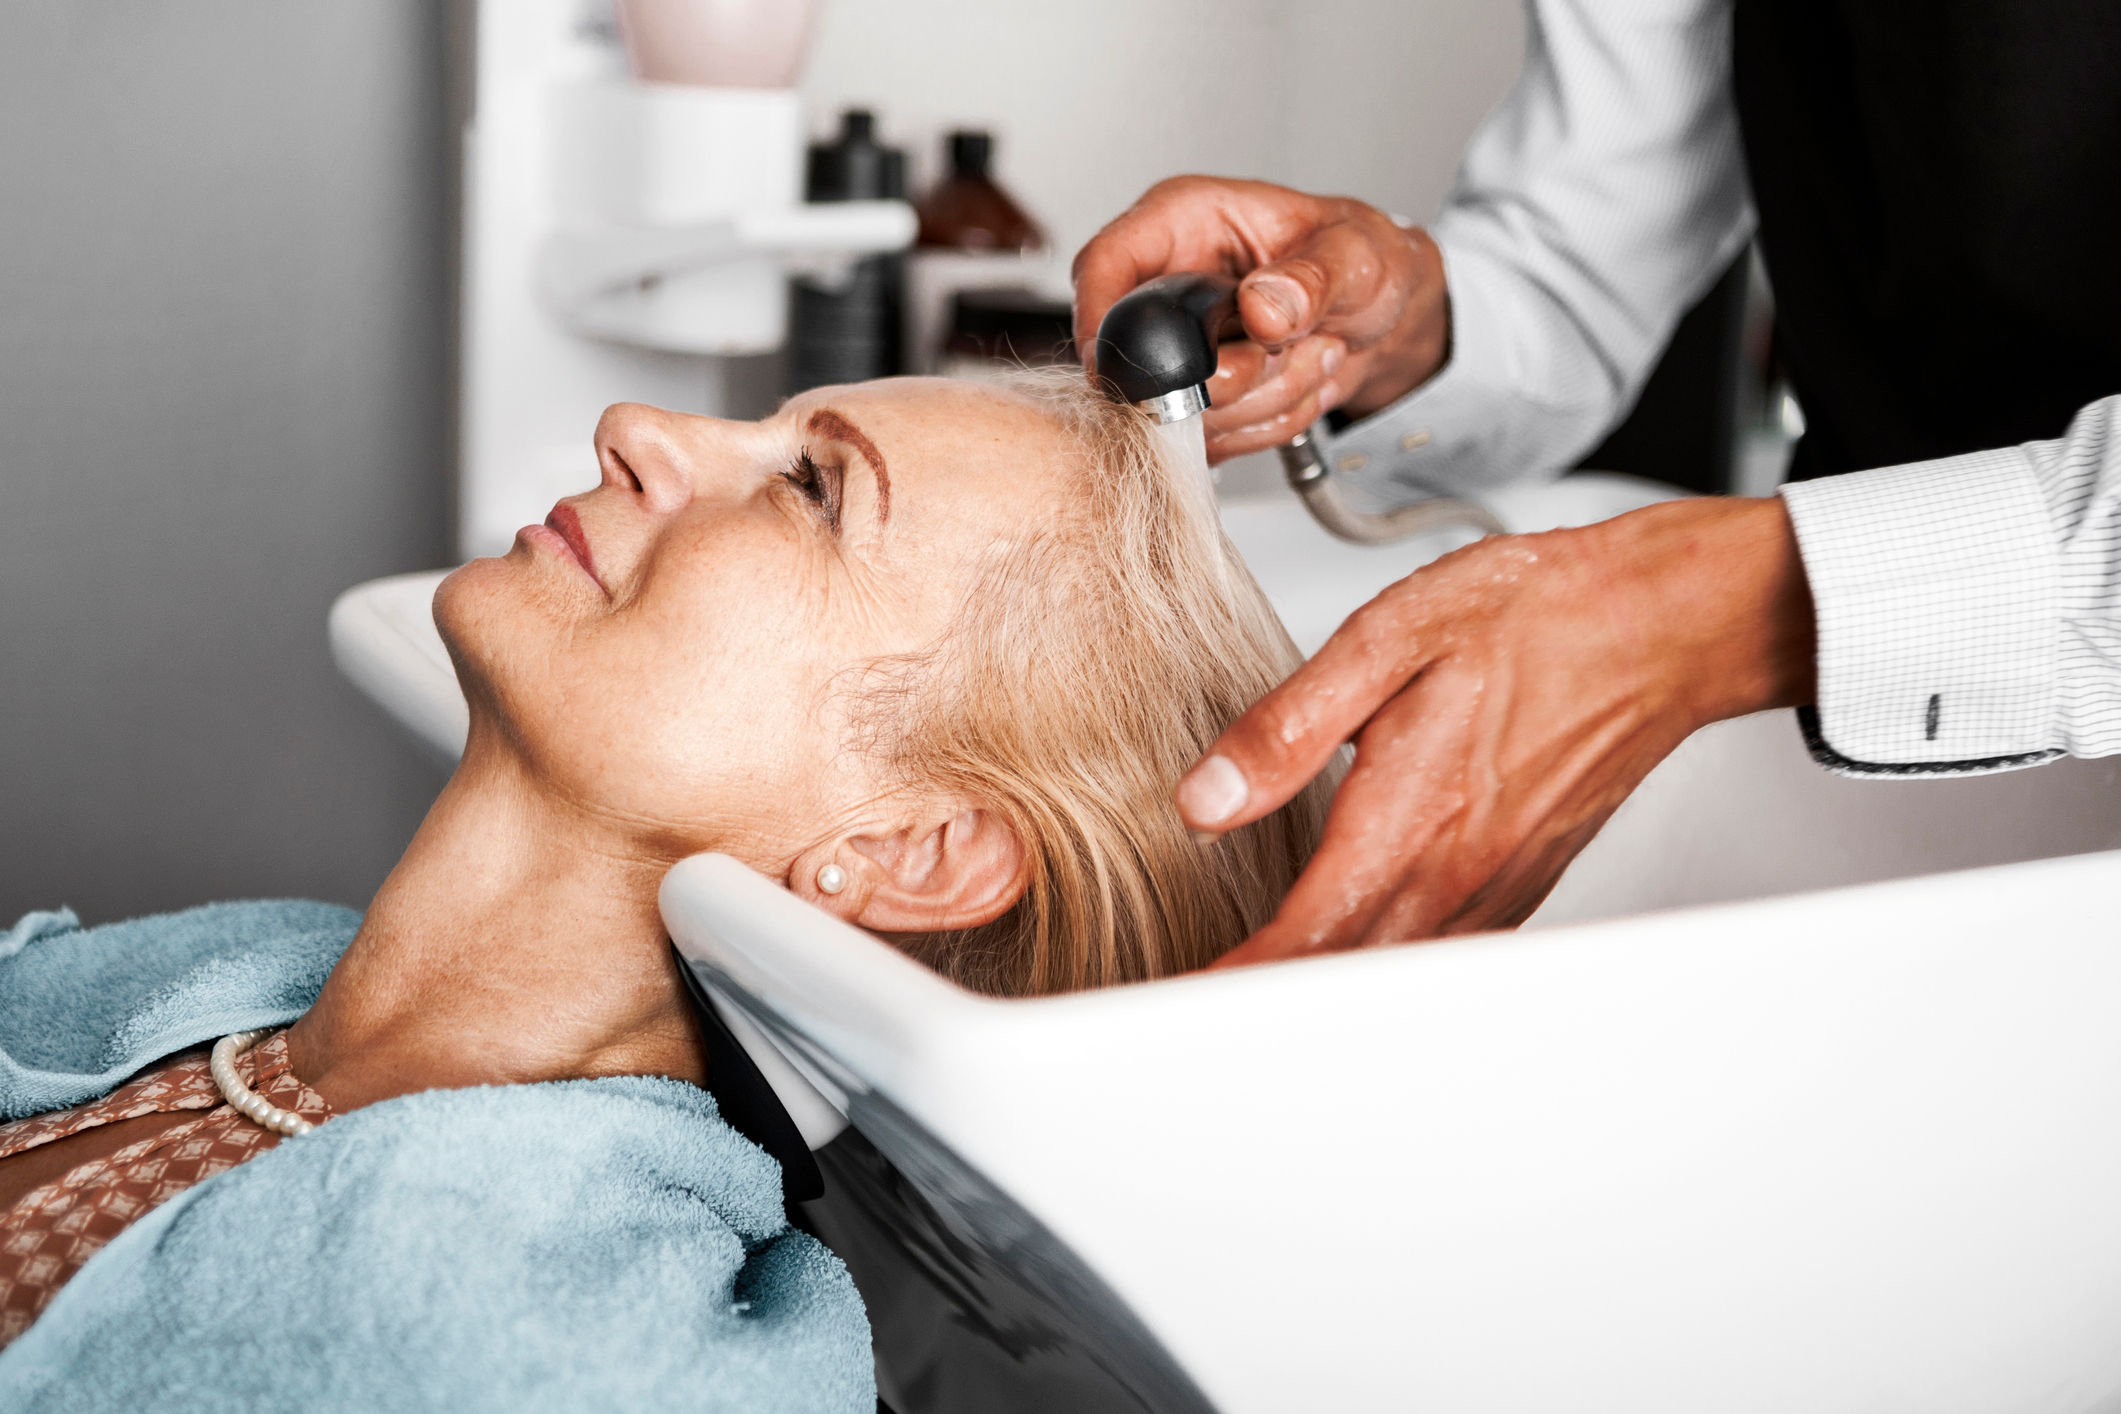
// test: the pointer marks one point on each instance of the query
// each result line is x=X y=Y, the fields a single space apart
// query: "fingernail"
x=1283 y=295
x=1213 y=791
x=1205 y=837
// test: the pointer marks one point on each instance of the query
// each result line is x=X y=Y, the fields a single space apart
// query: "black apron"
x=1939 y=191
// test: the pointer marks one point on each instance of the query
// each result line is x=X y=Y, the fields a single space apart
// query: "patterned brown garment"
x=47 y=1235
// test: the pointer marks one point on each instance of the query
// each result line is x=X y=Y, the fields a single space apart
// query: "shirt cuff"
x=1936 y=588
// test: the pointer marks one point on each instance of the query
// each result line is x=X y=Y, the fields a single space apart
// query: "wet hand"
x=1503 y=702
x=1342 y=307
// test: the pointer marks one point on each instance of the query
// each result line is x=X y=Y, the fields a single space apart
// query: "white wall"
x=1094 y=100
x=1384 y=95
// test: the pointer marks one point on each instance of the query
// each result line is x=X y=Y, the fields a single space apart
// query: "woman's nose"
x=645 y=450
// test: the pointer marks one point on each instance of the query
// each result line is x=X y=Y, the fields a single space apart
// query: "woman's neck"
x=516 y=941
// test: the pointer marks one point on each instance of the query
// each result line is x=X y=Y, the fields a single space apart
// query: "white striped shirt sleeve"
x=1969 y=609
x=1595 y=205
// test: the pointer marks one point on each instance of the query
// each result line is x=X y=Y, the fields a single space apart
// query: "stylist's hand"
x=1341 y=307
x=1502 y=702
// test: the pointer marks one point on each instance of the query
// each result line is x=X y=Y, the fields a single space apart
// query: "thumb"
x=1279 y=302
x=1349 y=278
x=1331 y=270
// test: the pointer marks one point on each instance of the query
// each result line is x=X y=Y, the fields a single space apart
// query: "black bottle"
x=847 y=333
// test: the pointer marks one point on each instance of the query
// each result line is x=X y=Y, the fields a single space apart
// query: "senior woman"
x=928 y=653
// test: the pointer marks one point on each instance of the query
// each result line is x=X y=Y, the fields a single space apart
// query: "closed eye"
x=819 y=487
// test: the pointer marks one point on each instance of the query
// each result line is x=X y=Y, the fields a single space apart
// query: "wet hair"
x=1085 y=672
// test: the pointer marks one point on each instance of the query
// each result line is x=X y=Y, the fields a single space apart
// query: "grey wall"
x=224 y=320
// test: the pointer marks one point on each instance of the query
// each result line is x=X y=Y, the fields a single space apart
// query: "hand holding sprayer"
x=1157 y=348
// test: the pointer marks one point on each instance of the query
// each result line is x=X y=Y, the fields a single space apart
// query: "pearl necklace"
x=241 y=1096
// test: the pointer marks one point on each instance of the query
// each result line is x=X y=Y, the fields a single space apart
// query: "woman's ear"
x=937 y=874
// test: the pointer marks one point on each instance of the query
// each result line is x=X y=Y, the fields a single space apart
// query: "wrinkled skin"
x=1342 y=308
x=1503 y=702
x=686 y=691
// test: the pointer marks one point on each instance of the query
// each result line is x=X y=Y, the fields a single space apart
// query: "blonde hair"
x=1079 y=682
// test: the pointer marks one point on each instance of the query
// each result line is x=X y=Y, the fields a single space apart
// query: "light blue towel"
x=601 y=1244
x=81 y=1009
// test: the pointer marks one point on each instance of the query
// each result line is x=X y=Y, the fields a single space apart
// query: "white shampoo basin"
x=1850 y=1150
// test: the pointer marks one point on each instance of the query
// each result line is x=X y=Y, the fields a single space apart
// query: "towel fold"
x=81 y=1009
x=585 y=1244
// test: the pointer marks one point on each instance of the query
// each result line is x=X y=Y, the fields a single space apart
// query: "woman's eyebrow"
x=827 y=423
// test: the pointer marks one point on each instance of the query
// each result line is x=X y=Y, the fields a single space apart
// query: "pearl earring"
x=831 y=879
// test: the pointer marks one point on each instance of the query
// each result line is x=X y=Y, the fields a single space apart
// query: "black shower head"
x=1160 y=338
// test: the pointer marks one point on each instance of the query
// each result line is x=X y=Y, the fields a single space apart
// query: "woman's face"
x=679 y=650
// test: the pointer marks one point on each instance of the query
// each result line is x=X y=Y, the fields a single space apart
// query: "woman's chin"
x=502 y=629
x=470 y=604
x=455 y=595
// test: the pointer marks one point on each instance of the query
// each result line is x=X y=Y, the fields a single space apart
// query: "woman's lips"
x=565 y=524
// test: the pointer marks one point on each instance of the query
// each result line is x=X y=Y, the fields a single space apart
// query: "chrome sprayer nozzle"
x=1178 y=406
